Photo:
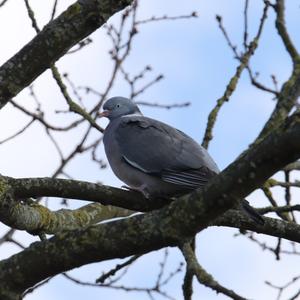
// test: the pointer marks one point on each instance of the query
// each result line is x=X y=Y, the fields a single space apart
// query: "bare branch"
x=167 y=18
x=282 y=31
x=73 y=25
x=166 y=106
x=167 y=226
x=233 y=81
x=204 y=277
x=18 y=132
x=118 y=267
x=3 y=2
x=290 y=91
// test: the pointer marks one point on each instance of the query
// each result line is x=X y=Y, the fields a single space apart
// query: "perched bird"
x=153 y=157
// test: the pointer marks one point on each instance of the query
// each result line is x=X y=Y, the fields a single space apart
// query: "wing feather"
x=159 y=149
x=190 y=178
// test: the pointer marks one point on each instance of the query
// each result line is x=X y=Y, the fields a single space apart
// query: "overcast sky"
x=197 y=65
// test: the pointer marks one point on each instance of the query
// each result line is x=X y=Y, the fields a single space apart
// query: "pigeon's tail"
x=252 y=213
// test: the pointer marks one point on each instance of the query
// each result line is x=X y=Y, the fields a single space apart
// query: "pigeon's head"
x=119 y=106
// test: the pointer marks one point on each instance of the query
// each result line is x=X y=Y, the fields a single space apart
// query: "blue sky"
x=197 y=65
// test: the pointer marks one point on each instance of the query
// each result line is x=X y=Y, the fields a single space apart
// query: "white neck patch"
x=137 y=114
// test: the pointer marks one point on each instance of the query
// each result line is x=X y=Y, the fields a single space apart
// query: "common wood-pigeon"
x=153 y=157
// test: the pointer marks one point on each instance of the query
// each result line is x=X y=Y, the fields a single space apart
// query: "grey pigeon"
x=153 y=157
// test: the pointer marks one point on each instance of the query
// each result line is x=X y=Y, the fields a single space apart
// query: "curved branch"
x=33 y=217
x=272 y=227
x=81 y=190
x=290 y=90
x=287 y=98
x=282 y=31
x=204 y=277
x=230 y=88
x=73 y=25
x=169 y=226
x=38 y=219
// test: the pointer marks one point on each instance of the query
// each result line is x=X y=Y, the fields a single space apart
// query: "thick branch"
x=81 y=190
x=37 y=219
x=73 y=25
x=272 y=227
x=169 y=226
x=30 y=216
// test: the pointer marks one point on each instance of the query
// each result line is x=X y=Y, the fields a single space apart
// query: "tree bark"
x=169 y=226
x=77 y=22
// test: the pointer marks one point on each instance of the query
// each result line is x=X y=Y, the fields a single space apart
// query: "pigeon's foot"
x=128 y=188
x=133 y=189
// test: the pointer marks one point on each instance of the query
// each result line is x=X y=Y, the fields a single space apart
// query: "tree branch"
x=290 y=90
x=169 y=226
x=35 y=218
x=230 y=88
x=204 y=277
x=272 y=227
x=81 y=190
x=282 y=31
x=57 y=37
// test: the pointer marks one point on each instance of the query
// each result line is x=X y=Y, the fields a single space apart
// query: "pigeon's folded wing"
x=159 y=149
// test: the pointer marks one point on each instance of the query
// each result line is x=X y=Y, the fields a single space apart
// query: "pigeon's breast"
x=121 y=169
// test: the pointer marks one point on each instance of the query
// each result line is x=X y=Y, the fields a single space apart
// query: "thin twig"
x=204 y=277
x=167 y=18
x=234 y=80
x=18 y=132
x=117 y=268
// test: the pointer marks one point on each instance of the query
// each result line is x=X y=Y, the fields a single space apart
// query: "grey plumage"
x=151 y=156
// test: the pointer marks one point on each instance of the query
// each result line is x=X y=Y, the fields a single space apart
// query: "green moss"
x=3 y=186
x=73 y=10
x=270 y=183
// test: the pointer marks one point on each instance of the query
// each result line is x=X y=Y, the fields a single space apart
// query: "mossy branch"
x=77 y=22
x=230 y=88
x=73 y=106
x=169 y=226
x=35 y=218
x=290 y=90
x=82 y=190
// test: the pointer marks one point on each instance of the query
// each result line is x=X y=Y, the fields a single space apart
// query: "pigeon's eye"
x=118 y=105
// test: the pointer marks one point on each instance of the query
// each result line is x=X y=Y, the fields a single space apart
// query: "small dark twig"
x=283 y=287
x=18 y=132
x=3 y=2
x=167 y=18
x=117 y=268
x=53 y=10
x=245 y=37
x=166 y=106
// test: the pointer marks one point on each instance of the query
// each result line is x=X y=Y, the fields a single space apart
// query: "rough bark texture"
x=277 y=145
x=77 y=22
x=82 y=190
x=169 y=226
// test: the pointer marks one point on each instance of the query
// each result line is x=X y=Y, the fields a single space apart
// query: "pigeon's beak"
x=104 y=113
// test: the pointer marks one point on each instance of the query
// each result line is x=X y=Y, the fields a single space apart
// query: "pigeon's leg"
x=133 y=189
x=128 y=188
x=144 y=190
